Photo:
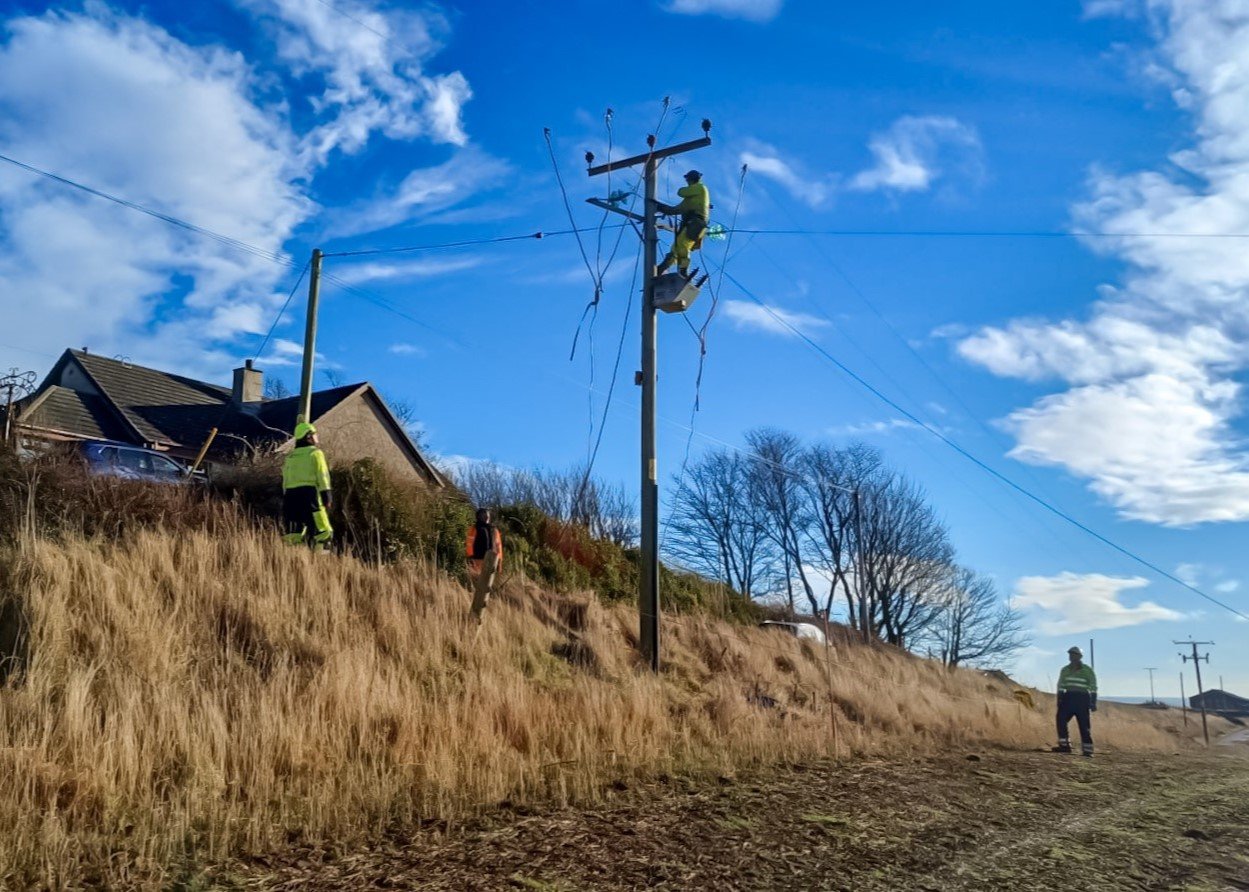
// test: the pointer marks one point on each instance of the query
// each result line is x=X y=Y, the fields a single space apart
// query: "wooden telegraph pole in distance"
x=1205 y=729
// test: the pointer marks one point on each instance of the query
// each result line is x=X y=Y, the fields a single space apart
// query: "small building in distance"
x=90 y=397
x=1221 y=702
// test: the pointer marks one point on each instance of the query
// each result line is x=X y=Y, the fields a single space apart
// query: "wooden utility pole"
x=1151 y=670
x=648 y=585
x=1205 y=728
x=310 y=338
x=1183 y=701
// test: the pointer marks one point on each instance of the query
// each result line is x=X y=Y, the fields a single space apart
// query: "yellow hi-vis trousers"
x=689 y=237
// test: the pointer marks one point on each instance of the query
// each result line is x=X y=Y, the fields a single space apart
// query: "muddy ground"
x=966 y=821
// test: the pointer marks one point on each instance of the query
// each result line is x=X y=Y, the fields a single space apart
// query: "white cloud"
x=773 y=320
x=812 y=190
x=751 y=10
x=1071 y=602
x=370 y=69
x=123 y=106
x=359 y=273
x=918 y=150
x=404 y=349
x=865 y=428
x=1189 y=574
x=1148 y=416
x=427 y=191
x=197 y=132
x=1227 y=586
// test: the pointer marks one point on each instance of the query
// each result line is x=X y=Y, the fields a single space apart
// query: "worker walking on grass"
x=695 y=211
x=306 y=492
x=484 y=550
x=1077 y=697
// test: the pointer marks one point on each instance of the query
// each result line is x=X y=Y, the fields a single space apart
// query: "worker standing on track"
x=484 y=550
x=695 y=211
x=1077 y=697
x=306 y=492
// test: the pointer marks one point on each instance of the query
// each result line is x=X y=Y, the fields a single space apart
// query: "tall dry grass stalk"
x=189 y=697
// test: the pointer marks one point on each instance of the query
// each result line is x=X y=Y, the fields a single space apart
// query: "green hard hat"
x=303 y=429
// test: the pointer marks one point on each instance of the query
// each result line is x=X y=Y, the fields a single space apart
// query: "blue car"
x=131 y=463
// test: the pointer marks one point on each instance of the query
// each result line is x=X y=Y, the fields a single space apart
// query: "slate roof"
x=163 y=407
x=68 y=411
x=136 y=404
x=1220 y=701
x=281 y=413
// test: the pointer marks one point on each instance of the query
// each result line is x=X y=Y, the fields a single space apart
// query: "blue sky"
x=1103 y=373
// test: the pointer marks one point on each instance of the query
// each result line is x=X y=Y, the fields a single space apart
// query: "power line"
x=351 y=18
x=897 y=336
x=989 y=233
x=540 y=234
x=781 y=320
x=159 y=215
x=278 y=318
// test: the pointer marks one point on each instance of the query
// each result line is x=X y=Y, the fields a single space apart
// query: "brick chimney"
x=249 y=385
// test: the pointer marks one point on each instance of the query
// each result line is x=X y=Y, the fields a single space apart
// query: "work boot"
x=691 y=274
x=1061 y=748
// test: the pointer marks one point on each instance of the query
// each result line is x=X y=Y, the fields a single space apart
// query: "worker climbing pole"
x=672 y=293
x=694 y=211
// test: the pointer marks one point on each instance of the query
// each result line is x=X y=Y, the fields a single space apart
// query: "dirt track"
x=1008 y=821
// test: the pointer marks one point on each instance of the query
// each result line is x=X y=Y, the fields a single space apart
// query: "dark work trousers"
x=304 y=517
x=1075 y=705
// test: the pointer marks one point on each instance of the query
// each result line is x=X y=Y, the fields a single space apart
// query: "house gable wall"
x=73 y=377
x=355 y=429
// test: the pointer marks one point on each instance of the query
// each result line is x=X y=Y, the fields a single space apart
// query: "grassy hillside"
x=181 y=697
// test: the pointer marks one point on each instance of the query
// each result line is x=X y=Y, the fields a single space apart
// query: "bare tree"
x=830 y=477
x=716 y=526
x=974 y=625
x=405 y=414
x=276 y=389
x=14 y=385
x=569 y=496
x=906 y=551
x=776 y=481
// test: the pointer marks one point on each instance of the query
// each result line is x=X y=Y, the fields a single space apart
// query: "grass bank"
x=181 y=698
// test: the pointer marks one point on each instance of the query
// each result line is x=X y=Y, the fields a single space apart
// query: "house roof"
x=1218 y=699
x=137 y=404
x=162 y=407
x=61 y=410
x=178 y=411
x=281 y=414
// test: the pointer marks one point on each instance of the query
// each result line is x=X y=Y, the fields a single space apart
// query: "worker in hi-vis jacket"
x=306 y=492
x=1077 y=697
x=695 y=211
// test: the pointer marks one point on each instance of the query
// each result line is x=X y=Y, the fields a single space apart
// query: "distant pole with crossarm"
x=648 y=585
x=1205 y=729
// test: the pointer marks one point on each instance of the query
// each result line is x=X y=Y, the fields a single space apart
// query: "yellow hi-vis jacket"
x=695 y=200
x=1081 y=678
x=306 y=466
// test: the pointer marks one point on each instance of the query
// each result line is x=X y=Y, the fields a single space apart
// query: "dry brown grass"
x=188 y=698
